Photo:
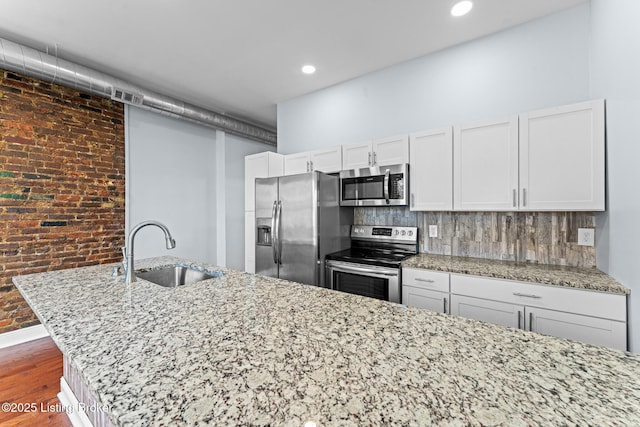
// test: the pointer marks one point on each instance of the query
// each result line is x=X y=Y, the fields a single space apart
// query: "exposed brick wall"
x=61 y=184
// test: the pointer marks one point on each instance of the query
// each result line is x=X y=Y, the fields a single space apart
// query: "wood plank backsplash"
x=537 y=237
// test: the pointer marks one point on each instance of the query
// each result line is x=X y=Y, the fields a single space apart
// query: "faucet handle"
x=124 y=252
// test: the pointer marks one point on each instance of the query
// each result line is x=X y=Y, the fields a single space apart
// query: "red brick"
x=78 y=142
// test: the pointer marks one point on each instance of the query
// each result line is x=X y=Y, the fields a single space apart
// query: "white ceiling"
x=241 y=57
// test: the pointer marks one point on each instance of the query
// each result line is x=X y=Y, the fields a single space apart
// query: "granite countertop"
x=555 y=275
x=243 y=349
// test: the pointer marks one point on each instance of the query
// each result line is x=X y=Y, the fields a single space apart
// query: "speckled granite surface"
x=574 y=277
x=249 y=350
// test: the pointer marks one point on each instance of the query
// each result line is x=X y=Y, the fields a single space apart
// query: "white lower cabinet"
x=592 y=317
x=424 y=298
x=500 y=313
x=606 y=332
x=425 y=289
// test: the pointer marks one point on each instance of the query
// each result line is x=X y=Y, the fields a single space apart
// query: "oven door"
x=367 y=280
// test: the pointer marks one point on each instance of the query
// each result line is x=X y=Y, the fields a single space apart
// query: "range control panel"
x=387 y=233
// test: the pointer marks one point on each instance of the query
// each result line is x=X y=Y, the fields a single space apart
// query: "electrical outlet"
x=586 y=237
x=433 y=231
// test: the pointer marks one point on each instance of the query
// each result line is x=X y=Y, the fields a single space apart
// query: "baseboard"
x=71 y=406
x=22 y=335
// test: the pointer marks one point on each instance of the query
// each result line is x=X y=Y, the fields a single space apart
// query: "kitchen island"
x=243 y=349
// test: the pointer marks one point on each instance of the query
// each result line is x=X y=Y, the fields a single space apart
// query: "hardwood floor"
x=30 y=377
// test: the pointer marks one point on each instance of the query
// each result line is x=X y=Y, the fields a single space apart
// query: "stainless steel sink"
x=176 y=275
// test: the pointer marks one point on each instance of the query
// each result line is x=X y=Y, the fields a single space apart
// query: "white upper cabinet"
x=431 y=170
x=326 y=160
x=562 y=158
x=356 y=156
x=296 y=163
x=261 y=165
x=378 y=152
x=393 y=150
x=486 y=166
x=546 y=160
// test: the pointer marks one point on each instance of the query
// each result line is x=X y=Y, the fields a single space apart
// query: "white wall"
x=539 y=64
x=171 y=178
x=191 y=178
x=615 y=69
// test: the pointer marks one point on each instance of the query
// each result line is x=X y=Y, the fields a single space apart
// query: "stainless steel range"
x=371 y=267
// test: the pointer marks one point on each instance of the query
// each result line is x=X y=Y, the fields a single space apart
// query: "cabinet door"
x=424 y=298
x=486 y=166
x=593 y=330
x=431 y=170
x=356 y=156
x=255 y=166
x=296 y=163
x=497 y=312
x=276 y=164
x=392 y=150
x=249 y=242
x=562 y=158
x=328 y=161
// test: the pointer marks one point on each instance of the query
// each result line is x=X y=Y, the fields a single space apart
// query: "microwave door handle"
x=386 y=186
x=274 y=235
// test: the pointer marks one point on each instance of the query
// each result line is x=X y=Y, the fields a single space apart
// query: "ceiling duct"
x=33 y=63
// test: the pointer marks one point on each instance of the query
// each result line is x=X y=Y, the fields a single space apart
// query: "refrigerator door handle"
x=386 y=185
x=274 y=236
x=278 y=221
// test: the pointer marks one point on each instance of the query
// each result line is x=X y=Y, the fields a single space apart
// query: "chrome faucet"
x=128 y=250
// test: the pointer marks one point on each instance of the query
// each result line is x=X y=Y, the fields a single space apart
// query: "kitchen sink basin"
x=177 y=275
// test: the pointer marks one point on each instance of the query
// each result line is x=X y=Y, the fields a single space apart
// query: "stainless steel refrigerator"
x=298 y=221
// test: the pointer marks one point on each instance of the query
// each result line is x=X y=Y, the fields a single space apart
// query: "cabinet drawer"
x=590 y=303
x=425 y=279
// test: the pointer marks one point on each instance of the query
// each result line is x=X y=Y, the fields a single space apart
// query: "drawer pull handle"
x=518 y=294
x=445 y=305
x=418 y=279
x=531 y=321
x=519 y=315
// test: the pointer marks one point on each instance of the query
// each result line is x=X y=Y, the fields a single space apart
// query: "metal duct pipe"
x=33 y=63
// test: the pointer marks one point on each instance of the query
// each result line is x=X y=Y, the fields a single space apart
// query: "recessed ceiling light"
x=461 y=8
x=308 y=69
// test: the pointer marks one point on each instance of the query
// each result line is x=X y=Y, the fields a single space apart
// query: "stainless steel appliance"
x=371 y=267
x=298 y=221
x=375 y=186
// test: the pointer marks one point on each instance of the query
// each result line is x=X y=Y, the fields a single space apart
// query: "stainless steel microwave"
x=375 y=186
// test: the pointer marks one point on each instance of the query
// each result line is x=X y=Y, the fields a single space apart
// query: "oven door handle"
x=386 y=185
x=355 y=269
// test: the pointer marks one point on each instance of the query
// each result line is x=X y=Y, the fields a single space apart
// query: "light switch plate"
x=586 y=236
x=433 y=231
